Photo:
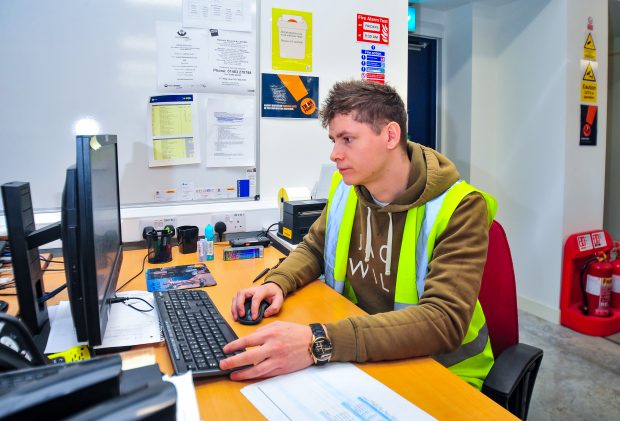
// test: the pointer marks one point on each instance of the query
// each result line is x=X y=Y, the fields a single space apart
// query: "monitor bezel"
x=96 y=310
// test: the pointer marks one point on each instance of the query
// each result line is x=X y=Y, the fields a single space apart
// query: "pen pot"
x=187 y=236
x=159 y=245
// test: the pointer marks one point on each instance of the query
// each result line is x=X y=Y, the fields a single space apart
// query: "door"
x=422 y=91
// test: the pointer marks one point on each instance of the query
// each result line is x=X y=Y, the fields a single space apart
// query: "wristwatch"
x=320 y=347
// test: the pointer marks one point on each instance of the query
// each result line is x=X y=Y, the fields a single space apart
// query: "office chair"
x=511 y=379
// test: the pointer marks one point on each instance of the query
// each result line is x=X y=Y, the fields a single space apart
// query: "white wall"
x=531 y=130
x=612 y=174
x=291 y=151
x=457 y=88
x=511 y=116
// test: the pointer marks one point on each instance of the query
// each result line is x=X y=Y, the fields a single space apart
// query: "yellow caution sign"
x=589 y=50
x=588 y=91
x=589 y=74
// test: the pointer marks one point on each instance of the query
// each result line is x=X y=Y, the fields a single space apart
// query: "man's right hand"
x=270 y=292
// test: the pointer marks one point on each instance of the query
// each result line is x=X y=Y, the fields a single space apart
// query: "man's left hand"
x=278 y=348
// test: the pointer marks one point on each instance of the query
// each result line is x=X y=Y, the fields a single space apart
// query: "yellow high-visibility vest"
x=474 y=358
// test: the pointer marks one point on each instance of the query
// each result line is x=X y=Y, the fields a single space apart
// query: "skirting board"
x=539 y=310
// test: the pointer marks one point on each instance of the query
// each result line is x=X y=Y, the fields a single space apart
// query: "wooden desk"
x=422 y=381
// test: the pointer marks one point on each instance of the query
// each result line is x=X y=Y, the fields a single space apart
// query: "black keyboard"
x=195 y=332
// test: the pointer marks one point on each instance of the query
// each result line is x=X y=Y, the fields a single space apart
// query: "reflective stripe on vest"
x=426 y=223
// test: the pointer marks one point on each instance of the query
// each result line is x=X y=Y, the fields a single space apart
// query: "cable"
x=124 y=300
x=138 y=274
x=43 y=298
x=50 y=260
x=264 y=233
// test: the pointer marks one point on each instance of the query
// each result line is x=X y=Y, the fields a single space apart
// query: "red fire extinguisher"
x=615 y=279
x=596 y=278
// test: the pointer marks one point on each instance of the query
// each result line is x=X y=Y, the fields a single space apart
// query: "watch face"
x=322 y=349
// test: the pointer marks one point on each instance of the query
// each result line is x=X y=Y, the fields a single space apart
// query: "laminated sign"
x=588 y=85
x=374 y=29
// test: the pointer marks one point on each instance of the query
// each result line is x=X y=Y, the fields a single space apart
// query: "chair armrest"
x=510 y=367
x=511 y=379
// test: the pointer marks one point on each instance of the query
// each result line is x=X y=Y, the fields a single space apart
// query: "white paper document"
x=126 y=326
x=231 y=132
x=338 y=391
x=182 y=57
x=232 y=62
x=187 y=404
x=225 y=14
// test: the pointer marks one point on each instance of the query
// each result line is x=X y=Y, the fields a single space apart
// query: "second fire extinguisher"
x=596 y=280
x=615 y=283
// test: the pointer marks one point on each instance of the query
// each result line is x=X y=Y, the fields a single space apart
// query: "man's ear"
x=393 y=134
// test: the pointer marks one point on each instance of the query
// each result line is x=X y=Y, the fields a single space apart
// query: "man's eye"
x=347 y=139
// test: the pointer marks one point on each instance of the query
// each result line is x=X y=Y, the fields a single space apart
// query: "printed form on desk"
x=337 y=391
x=126 y=326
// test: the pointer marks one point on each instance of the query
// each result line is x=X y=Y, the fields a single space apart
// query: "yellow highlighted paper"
x=170 y=149
x=171 y=120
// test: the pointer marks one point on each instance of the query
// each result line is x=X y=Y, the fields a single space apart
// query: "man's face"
x=359 y=153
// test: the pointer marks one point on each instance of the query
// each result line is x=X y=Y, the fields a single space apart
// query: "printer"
x=297 y=217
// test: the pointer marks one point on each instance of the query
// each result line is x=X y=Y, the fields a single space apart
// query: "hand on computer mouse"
x=269 y=292
x=247 y=318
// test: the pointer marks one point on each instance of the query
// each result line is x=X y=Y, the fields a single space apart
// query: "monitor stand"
x=25 y=240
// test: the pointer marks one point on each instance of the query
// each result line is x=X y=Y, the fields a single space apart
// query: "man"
x=401 y=237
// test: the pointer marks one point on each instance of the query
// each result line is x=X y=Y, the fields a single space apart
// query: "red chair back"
x=498 y=294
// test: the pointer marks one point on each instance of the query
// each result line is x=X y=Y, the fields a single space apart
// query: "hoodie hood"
x=380 y=229
x=430 y=174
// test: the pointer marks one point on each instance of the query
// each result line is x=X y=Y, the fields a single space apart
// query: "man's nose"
x=336 y=152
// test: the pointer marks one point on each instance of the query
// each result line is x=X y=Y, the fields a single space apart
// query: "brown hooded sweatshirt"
x=440 y=320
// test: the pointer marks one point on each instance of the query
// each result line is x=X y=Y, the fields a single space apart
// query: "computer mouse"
x=247 y=319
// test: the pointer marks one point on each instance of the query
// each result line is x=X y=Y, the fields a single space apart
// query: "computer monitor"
x=91 y=234
x=91 y=237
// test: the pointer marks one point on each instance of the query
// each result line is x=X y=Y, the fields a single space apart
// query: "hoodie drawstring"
x=368 y=235
x=388 y=257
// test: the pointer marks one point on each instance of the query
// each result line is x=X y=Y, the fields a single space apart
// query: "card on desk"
x=179 y=277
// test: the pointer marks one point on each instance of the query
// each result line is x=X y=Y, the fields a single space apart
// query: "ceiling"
x=451 y=4
x=614 y=9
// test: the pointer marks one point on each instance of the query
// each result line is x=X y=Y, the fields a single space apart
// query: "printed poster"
x=291 y=40
x=289 y=96
x=588 y=127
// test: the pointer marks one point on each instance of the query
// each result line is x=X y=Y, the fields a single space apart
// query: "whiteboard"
x=68 y=59
x=72 y=59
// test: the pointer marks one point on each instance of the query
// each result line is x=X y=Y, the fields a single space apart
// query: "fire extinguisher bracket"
x=585 y=304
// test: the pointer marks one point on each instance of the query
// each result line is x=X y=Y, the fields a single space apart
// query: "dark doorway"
x=422 y=91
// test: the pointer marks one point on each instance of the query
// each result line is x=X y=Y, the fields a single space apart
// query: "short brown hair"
x=368 y=102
